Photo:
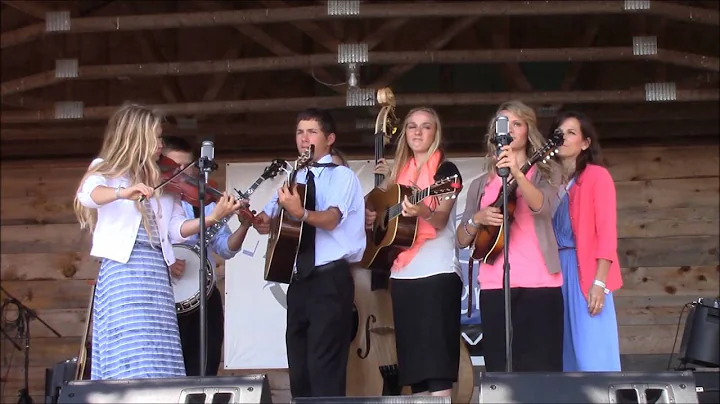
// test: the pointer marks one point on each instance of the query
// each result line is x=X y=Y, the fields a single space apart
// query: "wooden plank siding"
x=668 y=227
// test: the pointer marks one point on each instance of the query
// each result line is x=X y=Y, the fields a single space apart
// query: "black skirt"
x=427 y=327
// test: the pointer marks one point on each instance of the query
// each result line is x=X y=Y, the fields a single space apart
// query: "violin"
x=176 y=180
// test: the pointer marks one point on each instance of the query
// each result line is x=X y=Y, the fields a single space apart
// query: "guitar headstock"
x=446 y=188
x=274 y=169
x=550 y=148
x=306 y=158
x=386 y=122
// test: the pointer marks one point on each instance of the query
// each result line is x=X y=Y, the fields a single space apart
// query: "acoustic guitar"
x=286 y=231
x=392 y=233
x=489 y=240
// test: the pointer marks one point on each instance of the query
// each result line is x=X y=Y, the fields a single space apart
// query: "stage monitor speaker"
x=591 y=387
x=253 y=389
x=374 y=400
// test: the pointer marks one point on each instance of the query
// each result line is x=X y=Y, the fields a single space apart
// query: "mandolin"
x=391 y=233
x=489 y=241
x=286 y=231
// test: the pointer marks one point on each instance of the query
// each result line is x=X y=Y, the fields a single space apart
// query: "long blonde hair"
x=128 y=148
x=535 y=139
x=403 y=153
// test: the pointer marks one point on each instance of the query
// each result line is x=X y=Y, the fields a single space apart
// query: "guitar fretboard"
x=511 y=186
x=416 y=197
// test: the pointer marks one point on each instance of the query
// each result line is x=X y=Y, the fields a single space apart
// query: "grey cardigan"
x=543 y=217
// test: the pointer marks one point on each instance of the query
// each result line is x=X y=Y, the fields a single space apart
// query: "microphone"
x=502 y=138
x=207 y=158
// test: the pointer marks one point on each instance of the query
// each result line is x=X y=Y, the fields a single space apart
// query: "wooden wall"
x=668 y=227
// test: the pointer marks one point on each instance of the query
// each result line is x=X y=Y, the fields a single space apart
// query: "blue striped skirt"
x=135 y=329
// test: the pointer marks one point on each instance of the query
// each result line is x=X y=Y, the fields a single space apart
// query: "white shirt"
x=334 y=187
x=435 y=256
x=118 y=221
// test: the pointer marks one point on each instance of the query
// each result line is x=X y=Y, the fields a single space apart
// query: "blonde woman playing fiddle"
x=425 y=282
x=135 y=331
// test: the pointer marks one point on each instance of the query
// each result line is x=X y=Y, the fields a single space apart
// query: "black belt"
x=322 y=268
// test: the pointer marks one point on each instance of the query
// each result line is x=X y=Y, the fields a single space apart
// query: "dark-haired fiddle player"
x=225 y=244
x=320 y=296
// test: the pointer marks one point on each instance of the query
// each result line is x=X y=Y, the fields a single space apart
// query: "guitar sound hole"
x=380 y=230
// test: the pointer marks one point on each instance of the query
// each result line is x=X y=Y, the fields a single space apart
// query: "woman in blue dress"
x=135 y=331
x=585 y=225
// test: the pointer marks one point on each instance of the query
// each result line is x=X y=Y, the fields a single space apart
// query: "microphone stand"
x=503 y=173
x=25 y=314
x=205 y=165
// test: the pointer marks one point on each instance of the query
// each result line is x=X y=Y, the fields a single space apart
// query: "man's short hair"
x=175 y=143
x=322 y=116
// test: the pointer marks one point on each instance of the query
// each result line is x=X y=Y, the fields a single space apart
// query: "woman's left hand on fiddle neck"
x=225 y=206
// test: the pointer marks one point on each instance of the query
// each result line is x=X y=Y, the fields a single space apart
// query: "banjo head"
x=188 y=286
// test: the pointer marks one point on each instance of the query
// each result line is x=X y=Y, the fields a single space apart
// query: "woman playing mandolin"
x=536 y=280
x=586 y=229
x=135 y=329
x=425 y=279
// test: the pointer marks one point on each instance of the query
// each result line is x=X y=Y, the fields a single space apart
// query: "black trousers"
x=190 y=336
x=319 y=327
x=538 y=324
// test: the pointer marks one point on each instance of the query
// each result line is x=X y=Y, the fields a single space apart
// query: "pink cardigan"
x=593 y=215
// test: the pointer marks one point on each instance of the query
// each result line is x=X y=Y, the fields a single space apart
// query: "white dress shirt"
x=334 y=187
x=118 y=221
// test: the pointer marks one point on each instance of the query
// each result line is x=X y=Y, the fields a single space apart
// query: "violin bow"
x=385 y=125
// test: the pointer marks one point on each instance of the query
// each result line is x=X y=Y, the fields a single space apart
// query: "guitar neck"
x=416 y=197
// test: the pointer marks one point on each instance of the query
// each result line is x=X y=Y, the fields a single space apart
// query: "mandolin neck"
x=512 y=187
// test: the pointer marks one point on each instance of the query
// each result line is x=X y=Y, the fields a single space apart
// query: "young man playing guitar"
x=225 y=244
x=321 y=294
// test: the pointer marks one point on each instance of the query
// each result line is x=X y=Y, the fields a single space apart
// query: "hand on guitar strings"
x=177 y=269
x=507 y=159
x=410 y=210
x=289 y=199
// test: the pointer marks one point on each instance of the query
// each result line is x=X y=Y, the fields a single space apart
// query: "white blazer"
x=118 y=221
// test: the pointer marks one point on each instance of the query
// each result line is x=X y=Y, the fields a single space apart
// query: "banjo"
x=187 y=288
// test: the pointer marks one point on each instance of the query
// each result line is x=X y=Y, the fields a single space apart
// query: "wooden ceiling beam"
x=284 y=124
x=295 y=104
x=368 y=10
x=511 y=71
x=32 y=8
x=273 y=45
x=290 y=60
x=435 y=44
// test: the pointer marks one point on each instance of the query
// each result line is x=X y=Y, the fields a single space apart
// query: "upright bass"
x=372 y=362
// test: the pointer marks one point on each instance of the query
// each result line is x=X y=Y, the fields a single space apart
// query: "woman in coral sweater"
x=585 y=225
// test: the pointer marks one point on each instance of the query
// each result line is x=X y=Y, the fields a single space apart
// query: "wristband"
x=600 y=283
x=471 y=223
x=304 y=216
x=466 y=230
x=117 y=192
